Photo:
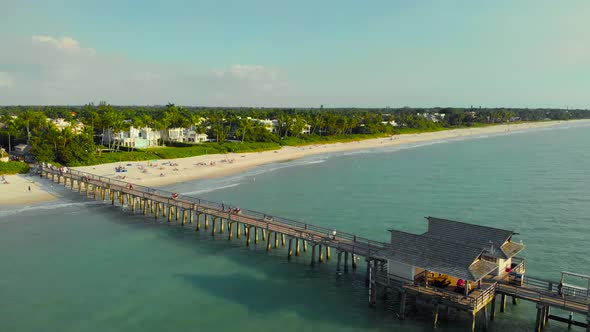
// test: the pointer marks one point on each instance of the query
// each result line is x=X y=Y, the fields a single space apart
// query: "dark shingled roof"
x=438 y=255
x=492 y=240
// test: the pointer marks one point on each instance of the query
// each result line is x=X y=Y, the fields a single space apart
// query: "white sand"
x=16 y=192
x=146 y=173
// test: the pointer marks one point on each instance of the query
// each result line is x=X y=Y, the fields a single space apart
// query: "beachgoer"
x=560 y=289
x=29 y=188
x=222 y=206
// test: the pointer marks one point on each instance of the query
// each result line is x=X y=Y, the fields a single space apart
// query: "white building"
x=184 y=135
x=390 y=123
x=61 y=124
x=434 y=117
x=139 y=138
x=270 y=125
x=306 y=130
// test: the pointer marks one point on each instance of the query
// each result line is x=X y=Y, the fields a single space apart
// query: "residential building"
x=139 y=138
x=61 y=124
x=184 y=135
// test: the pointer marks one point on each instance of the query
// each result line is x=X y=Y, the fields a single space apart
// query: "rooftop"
x=494 y=241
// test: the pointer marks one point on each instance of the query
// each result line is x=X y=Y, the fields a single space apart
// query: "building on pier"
x=450 y=254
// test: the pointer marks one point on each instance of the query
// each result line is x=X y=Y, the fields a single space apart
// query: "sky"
x=279 y=53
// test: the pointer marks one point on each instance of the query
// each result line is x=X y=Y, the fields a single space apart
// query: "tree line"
x=68 y=146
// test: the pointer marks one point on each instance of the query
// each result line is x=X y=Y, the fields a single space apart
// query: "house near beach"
x=61 y=124
x=139 y=138
x=184 y=135
x=270 y=125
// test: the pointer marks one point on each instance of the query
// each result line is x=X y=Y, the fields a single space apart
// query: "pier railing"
x=352 y=242
x=520 y=264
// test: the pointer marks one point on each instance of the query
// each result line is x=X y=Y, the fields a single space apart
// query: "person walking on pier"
x=560 y=289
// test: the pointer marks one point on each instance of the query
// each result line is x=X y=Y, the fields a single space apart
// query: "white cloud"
x=247 y=72
x=5 y=80
x=63 y=43
x=49 y=70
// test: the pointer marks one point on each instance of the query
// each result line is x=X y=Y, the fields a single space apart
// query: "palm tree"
x=10 y=129
x=245 y=126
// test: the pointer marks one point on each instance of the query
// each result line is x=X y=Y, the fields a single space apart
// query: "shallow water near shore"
x=79 y=265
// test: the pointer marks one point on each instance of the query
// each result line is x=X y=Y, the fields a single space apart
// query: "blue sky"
x=296 y=53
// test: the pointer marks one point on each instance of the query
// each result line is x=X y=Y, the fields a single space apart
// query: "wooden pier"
x=218 y=219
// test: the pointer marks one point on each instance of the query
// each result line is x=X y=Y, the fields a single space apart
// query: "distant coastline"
x=165 y=172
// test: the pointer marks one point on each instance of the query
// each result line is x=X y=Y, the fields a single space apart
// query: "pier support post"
x=587 y=322
x=545 y=316
x=283 y=240
x=247 y=233
x=268 y=242
x=229 y=230
x=339 y=259
x=367 y=274
x=346 y=261
x=321 y=254
x=514 y=300
x=198 y=221
x=297 y=248
x=328 y=253
x=207 y=221
x=304 y=246
x=402 y=307
x=263 y=234
x=164 y=210
x=276 y=240
x=255 y=235
x=353 y=259
x=155 y=209
x=221 y=225
x=538 y=322
x=213 y=228
x=191 y=215
x=237 y=230
x=170 y=213
x=485 y=318
x=435 y=316
x=493 y=310
x=372 y=286
x=290 y=250
x=313 y=255
x=503 y=303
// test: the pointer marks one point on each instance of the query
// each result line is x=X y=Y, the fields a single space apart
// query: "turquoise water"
x=79 y=265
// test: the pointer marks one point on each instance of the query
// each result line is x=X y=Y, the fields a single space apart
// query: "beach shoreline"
x=166 y=172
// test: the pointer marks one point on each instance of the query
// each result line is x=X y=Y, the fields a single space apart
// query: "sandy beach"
x=14 y=190
x=163 y=172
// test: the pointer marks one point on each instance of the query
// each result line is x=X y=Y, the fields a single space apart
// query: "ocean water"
x=80 y=265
